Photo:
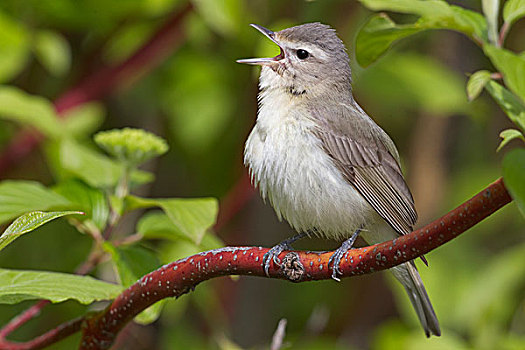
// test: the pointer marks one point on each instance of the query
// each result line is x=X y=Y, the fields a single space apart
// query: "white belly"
x=300 y=180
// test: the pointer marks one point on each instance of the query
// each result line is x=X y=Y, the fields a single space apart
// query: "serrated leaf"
x=15 y=48
x=93 y=167
x=131 y=263
x=511 y=66
x=508 y=102
x=514 y=176
x=509 y=135
x=513 y=10
x=91 y=201
x=52 y=50
x=491 y=11
x=29 y=222
x=26 y=109
x=379 y=33
x=191 y=216
x=476 y=83
x=19 y=197
x=19 y=285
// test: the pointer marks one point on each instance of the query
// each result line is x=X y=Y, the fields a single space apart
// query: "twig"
x=62 y=331
x=278 y=336
x=503 y=33
x=22 y=318
x=180 y=277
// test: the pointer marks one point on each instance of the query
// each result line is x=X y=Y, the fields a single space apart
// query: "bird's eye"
x=302 y=54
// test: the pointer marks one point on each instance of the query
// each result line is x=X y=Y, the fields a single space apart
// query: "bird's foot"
x=336 y=258
x=273 y=253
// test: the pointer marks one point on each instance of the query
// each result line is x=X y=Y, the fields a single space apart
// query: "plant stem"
x=503 y=34
x=180 y=277
x=62 y=331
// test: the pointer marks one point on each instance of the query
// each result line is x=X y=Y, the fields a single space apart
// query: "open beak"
x=264 y=61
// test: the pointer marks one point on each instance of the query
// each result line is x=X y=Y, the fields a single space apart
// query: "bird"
x=321 y=162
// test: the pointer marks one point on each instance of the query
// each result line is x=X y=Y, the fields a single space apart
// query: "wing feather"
x=376 y=174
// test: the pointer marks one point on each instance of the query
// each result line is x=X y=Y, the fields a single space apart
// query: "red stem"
x=180 y=277
x=503 y=33
x=46 y=339
x=22 y=318
x=104 y=82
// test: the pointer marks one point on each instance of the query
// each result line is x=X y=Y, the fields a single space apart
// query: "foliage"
x=137 y=214
x=17 y=286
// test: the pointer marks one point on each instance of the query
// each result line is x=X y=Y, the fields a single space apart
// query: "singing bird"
x=323 y=164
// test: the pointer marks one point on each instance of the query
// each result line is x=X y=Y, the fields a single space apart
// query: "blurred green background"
x=204 y=104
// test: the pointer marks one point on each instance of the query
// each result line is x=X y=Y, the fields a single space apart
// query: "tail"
x=409 y=277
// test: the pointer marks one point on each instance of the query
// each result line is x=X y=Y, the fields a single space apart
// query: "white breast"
x=299 y=179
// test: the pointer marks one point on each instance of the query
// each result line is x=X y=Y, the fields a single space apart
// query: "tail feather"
x=409 y=277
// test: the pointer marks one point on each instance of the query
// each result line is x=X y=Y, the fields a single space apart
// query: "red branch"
x=104 y=82
x=46 y=339
x=22 y=318
x=180 y=277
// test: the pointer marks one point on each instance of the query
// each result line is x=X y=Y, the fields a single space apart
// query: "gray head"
x=311 y=55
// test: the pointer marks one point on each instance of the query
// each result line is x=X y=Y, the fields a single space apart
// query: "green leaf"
x=157 y=225
x=90 y=200
x=379 y=33
x=18 y=285
x=376 y=37
x=514 y=176
x=508 y=102
x=52 y=50
x=93 y=167
x=491 y=11
x=131 y=263
x=513 y=10
x=223 y=16
x=127 y=39
x=83 y=120
x=14 y=48
x=511 y=66
x=476 y=83
x=29 y=222
x=18 y=106
x=509 y=135
x=19 y=197
x=403 y=80
x=191 y=216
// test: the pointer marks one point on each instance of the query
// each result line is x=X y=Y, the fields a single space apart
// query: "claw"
x=336 y=258
x=273 y=253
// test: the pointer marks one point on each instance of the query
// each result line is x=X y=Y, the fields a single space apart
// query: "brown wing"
x=375 y=173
